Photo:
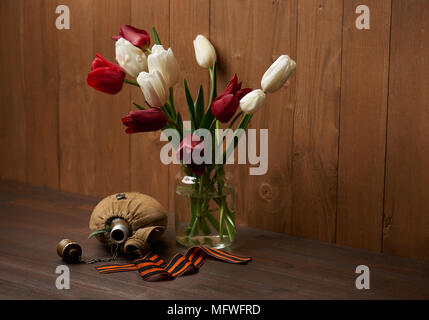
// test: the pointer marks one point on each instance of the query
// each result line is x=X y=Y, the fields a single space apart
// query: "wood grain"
x=76 y=99
x=331 y=170
x=272 y=201
x=12 y=121
x=406 y=219
x=148 y=174
x=111 y=146
x=364 y=89
x=188 y=18
x=41 y=93
x=318 y=81
x=283 y=267
x=263 y=200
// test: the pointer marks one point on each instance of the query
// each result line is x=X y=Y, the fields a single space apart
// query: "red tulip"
x=224 y=107
x=152 y=119
x=226 y=104
x=138 y=37
x=190 y=143
x=233 y=86
x=105 y=76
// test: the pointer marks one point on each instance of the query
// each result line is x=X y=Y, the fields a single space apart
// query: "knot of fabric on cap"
x=151 y=265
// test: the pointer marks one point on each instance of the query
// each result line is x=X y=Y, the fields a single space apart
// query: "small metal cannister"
x=70 y=251
x=120 y=230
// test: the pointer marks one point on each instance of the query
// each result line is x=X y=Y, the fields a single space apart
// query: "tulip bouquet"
x=156 y=72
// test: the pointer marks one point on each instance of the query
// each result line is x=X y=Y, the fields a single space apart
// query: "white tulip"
x=154 y=88
x=130 y=58
x=276 y=75
x=164 y=61
x=252 y=101
x=205 y=53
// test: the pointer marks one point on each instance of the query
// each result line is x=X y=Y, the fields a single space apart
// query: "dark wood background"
x=348 y=135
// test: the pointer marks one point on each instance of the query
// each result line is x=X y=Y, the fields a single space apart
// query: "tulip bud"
x=130 y=58
x=105 y=76
x=252 y=101
x=138 y=37
x=154 y=88
x=224 y=107
x=205 y=53
x=164 y=61
x=190 y=145
x=226 y=104
x=151 y=119
x=277 y=74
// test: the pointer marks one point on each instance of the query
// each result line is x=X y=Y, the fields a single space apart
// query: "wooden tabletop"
x=33 y=220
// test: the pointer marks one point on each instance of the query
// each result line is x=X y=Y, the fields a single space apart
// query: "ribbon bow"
x=152 y=265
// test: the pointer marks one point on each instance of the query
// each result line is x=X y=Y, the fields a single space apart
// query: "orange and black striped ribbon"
x=152 y=265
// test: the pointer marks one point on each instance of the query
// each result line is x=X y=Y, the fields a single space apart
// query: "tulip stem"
x=171 y=103
x=212 y=72
x=208 y=116
x=147 y=103
x=222 y=210
x=174 y=124
x=244 y=123
x=131 y=82
x=212 y=124
x=201 y=186
x=235 y=119
x=138 y=106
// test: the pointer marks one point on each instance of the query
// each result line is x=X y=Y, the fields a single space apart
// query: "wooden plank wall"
x=364 y=85
x=348 y=134
x=406 y=204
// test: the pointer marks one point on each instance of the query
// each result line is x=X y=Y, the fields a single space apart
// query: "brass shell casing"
x=70 y=251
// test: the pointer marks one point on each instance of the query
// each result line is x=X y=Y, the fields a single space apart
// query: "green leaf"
x=190 y=106
x=199 y=106
x=180 y=124
x=246 y=122
x=171 y=102
x=138 y=106
x=167 y=112
x=207 y=119
x=155 y=36
x=96 y=232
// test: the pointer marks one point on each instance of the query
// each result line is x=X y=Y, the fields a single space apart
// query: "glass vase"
x=204 y=212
